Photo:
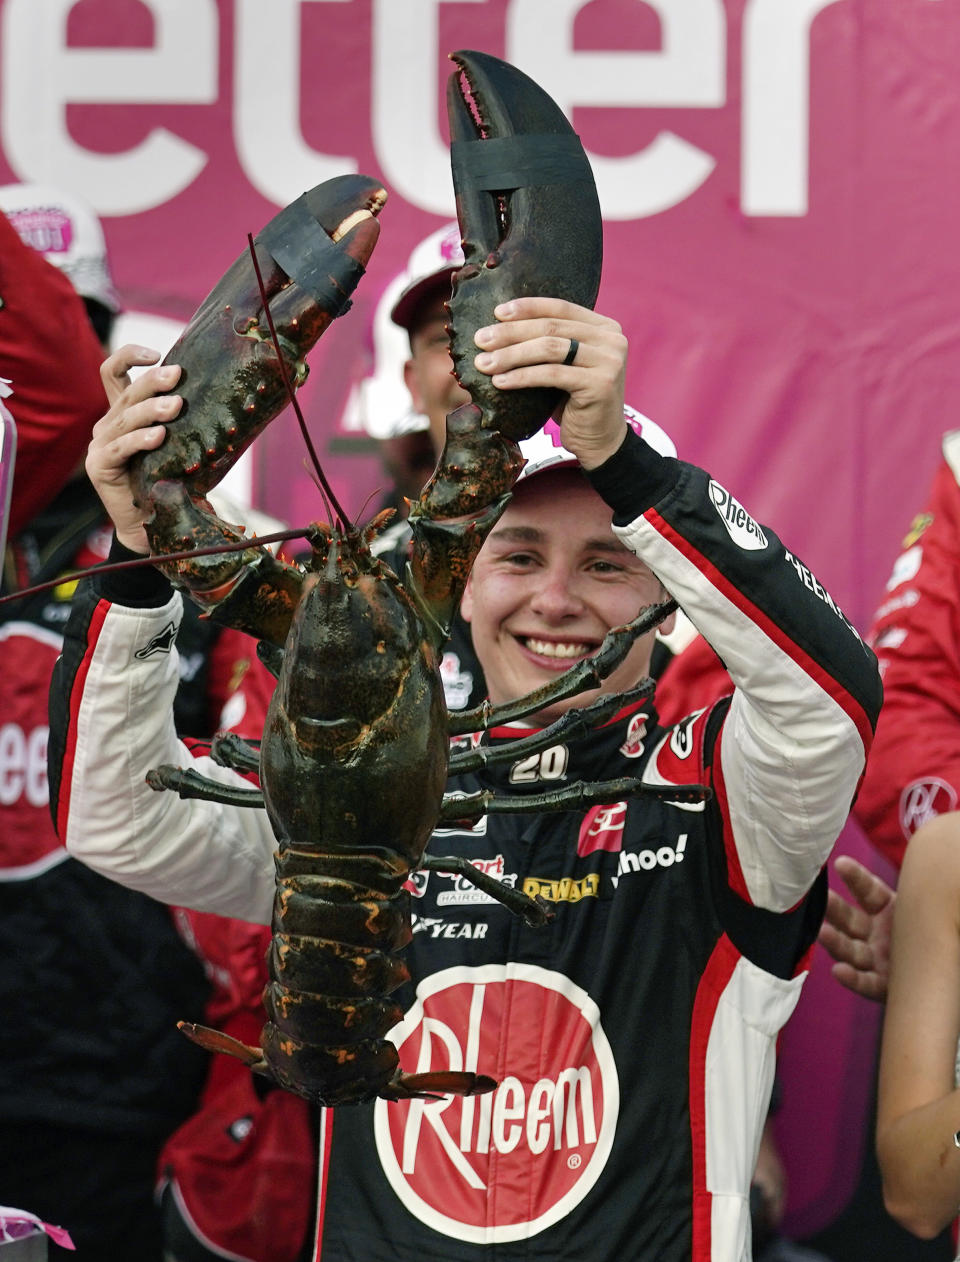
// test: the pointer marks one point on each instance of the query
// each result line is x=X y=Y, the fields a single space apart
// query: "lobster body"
x=368 y=765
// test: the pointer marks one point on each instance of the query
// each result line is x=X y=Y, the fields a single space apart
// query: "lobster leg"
x=571 y=797
x=534 y=911
x=230 y=750
x=589 y=673
x=572 y=726
x=190 y=784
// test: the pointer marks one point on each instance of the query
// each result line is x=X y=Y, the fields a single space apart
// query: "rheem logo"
x=23 y=765
x=549 y=1126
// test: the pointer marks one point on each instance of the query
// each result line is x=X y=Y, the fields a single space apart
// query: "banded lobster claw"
x=311 y=257
x=529 y=216
x=531 y=226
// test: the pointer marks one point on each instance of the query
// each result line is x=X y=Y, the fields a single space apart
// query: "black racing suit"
x=633 y=1039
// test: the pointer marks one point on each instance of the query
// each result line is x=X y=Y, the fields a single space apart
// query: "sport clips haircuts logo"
x=542 y=1137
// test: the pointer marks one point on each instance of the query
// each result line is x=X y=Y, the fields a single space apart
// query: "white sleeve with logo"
x=197 y=854
x=794 y=742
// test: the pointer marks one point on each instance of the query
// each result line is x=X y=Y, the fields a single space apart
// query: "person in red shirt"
x=913 y=774
x=94 y=1075
x=903 y=947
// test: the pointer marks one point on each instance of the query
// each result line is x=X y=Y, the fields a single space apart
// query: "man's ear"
x=669 y=623
x=466 y=601
x=412 y=382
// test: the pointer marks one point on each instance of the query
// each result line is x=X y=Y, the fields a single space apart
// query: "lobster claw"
x=529 y=217
x=530 y=222
x=233 y=383
x=311 y=256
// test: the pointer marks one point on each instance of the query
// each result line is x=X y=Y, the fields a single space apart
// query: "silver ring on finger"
x=571 y=354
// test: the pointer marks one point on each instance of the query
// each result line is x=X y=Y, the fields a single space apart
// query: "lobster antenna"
x=327 y=488
x=363 y=506
x=137 y=563
x=317 y=483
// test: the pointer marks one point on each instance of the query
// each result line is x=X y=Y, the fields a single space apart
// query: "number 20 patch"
x=549 y=764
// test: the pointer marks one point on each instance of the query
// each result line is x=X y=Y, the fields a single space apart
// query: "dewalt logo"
x=564 y=890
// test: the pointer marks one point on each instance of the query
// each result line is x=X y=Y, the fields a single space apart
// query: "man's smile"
x=566 y=650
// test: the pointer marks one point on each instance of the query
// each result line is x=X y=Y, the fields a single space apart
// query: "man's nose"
x=555 y=597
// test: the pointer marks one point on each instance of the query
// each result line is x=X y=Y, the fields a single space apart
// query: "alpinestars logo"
x=162 y=642
x=740 y=526
x=541 y=1139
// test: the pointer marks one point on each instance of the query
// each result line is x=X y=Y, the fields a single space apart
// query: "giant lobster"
x=355 y=751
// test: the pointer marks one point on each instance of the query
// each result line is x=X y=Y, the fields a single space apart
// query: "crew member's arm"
x=919 y=1106
x=914 y=768
x=794 y=741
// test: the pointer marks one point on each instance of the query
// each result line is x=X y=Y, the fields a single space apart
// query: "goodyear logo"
x=565 y=890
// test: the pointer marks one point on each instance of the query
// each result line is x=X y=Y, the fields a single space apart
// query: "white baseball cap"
x=545 y=450
x=429 y=269
x=65 y=230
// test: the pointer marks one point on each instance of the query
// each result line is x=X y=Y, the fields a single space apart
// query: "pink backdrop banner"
x=780 y=189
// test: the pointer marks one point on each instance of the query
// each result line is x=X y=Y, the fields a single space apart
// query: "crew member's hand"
x=858 y=937
x=135 y=422
x=529 y=347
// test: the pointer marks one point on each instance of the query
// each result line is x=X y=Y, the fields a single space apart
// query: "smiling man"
x=633 y=1037
x=550 y=582
x=421 y=312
